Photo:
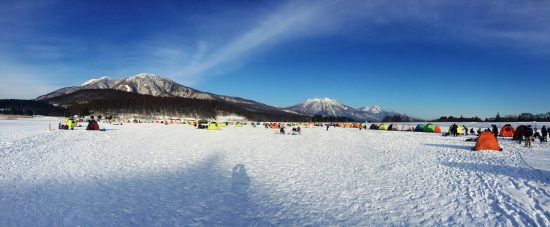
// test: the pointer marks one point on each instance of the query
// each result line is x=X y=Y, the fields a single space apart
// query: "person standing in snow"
x=454 y=130
x=465 y=129
x=544 y=132
x=528 y=134
x=472 y=131
x=328 y=126
x=479 y=131
x=495 y=131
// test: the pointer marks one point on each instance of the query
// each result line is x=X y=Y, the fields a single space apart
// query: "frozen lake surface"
x=153 y=174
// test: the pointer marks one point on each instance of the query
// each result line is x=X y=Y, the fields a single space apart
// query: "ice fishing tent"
x=393 y=127
x=347 y=125
x=373 y=126
x=429 y=128
x=310 y=125
x=419 y=128
x=383 y=127
x=437 y=129
x=238 y=124
x=406 y=127
x=274 y=125
x=518 y=133
x=507 y=131
x=487 y=141
x=213 y=126
x=222 y=124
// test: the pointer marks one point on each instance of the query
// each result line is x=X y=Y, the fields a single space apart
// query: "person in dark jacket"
x=495 y=131
x=544 y=132
x=479 y=131
x=528 y=134
x=454 y=130
x=465 y=129
x=472 y=131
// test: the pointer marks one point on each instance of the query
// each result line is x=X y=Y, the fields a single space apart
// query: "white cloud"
x=470 y=22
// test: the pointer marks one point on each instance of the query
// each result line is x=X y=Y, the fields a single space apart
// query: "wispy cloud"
x=524 y=26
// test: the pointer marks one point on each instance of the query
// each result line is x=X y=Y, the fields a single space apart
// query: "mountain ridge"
x=331 y=107
x=154 y=85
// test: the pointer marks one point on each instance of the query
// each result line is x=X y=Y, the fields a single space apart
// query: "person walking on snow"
x=528 y=134
x=495 y=131
x=544 y=132
x=328 y=126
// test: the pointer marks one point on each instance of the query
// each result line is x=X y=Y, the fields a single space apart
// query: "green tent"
x=383 y=127
x=429 y=128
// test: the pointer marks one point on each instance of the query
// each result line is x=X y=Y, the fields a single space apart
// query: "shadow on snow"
x=198 y=195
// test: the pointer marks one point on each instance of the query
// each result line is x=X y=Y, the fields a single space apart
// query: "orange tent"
x=437 y=129
x=310 y=125
x=347 y=125
x=507 y=131
x=487 y=141
x=274 y=125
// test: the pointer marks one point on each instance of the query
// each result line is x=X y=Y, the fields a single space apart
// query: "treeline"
x=114 y=103
x=320 y=118
x=523 y=117
x=30 y=107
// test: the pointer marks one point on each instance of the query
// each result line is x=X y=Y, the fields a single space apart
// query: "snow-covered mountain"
x=377 y=110
x=331 y=107
x=144 y=83
x=151 y=84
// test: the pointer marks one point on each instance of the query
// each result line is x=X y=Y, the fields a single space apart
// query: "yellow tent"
x=213 y=126
x=383 y=127
x=238 y=124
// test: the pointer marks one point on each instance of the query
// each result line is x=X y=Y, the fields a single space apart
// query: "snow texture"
x=153 y=174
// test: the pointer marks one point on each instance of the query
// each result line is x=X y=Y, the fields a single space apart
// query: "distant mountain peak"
x=95 y=80
x=331 y=107
x=372 y=109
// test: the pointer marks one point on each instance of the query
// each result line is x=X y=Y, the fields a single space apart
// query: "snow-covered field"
x=152 y=174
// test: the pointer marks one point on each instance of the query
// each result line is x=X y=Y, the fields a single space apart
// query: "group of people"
x=295 y=130
x=71 y=123
x=530 y=134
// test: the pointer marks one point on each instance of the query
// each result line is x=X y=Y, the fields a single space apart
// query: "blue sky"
x=424 y=58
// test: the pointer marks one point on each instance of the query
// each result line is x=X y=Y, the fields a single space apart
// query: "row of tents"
x=419 y=128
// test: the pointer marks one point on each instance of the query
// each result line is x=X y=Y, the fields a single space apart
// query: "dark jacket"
x=528 y=132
